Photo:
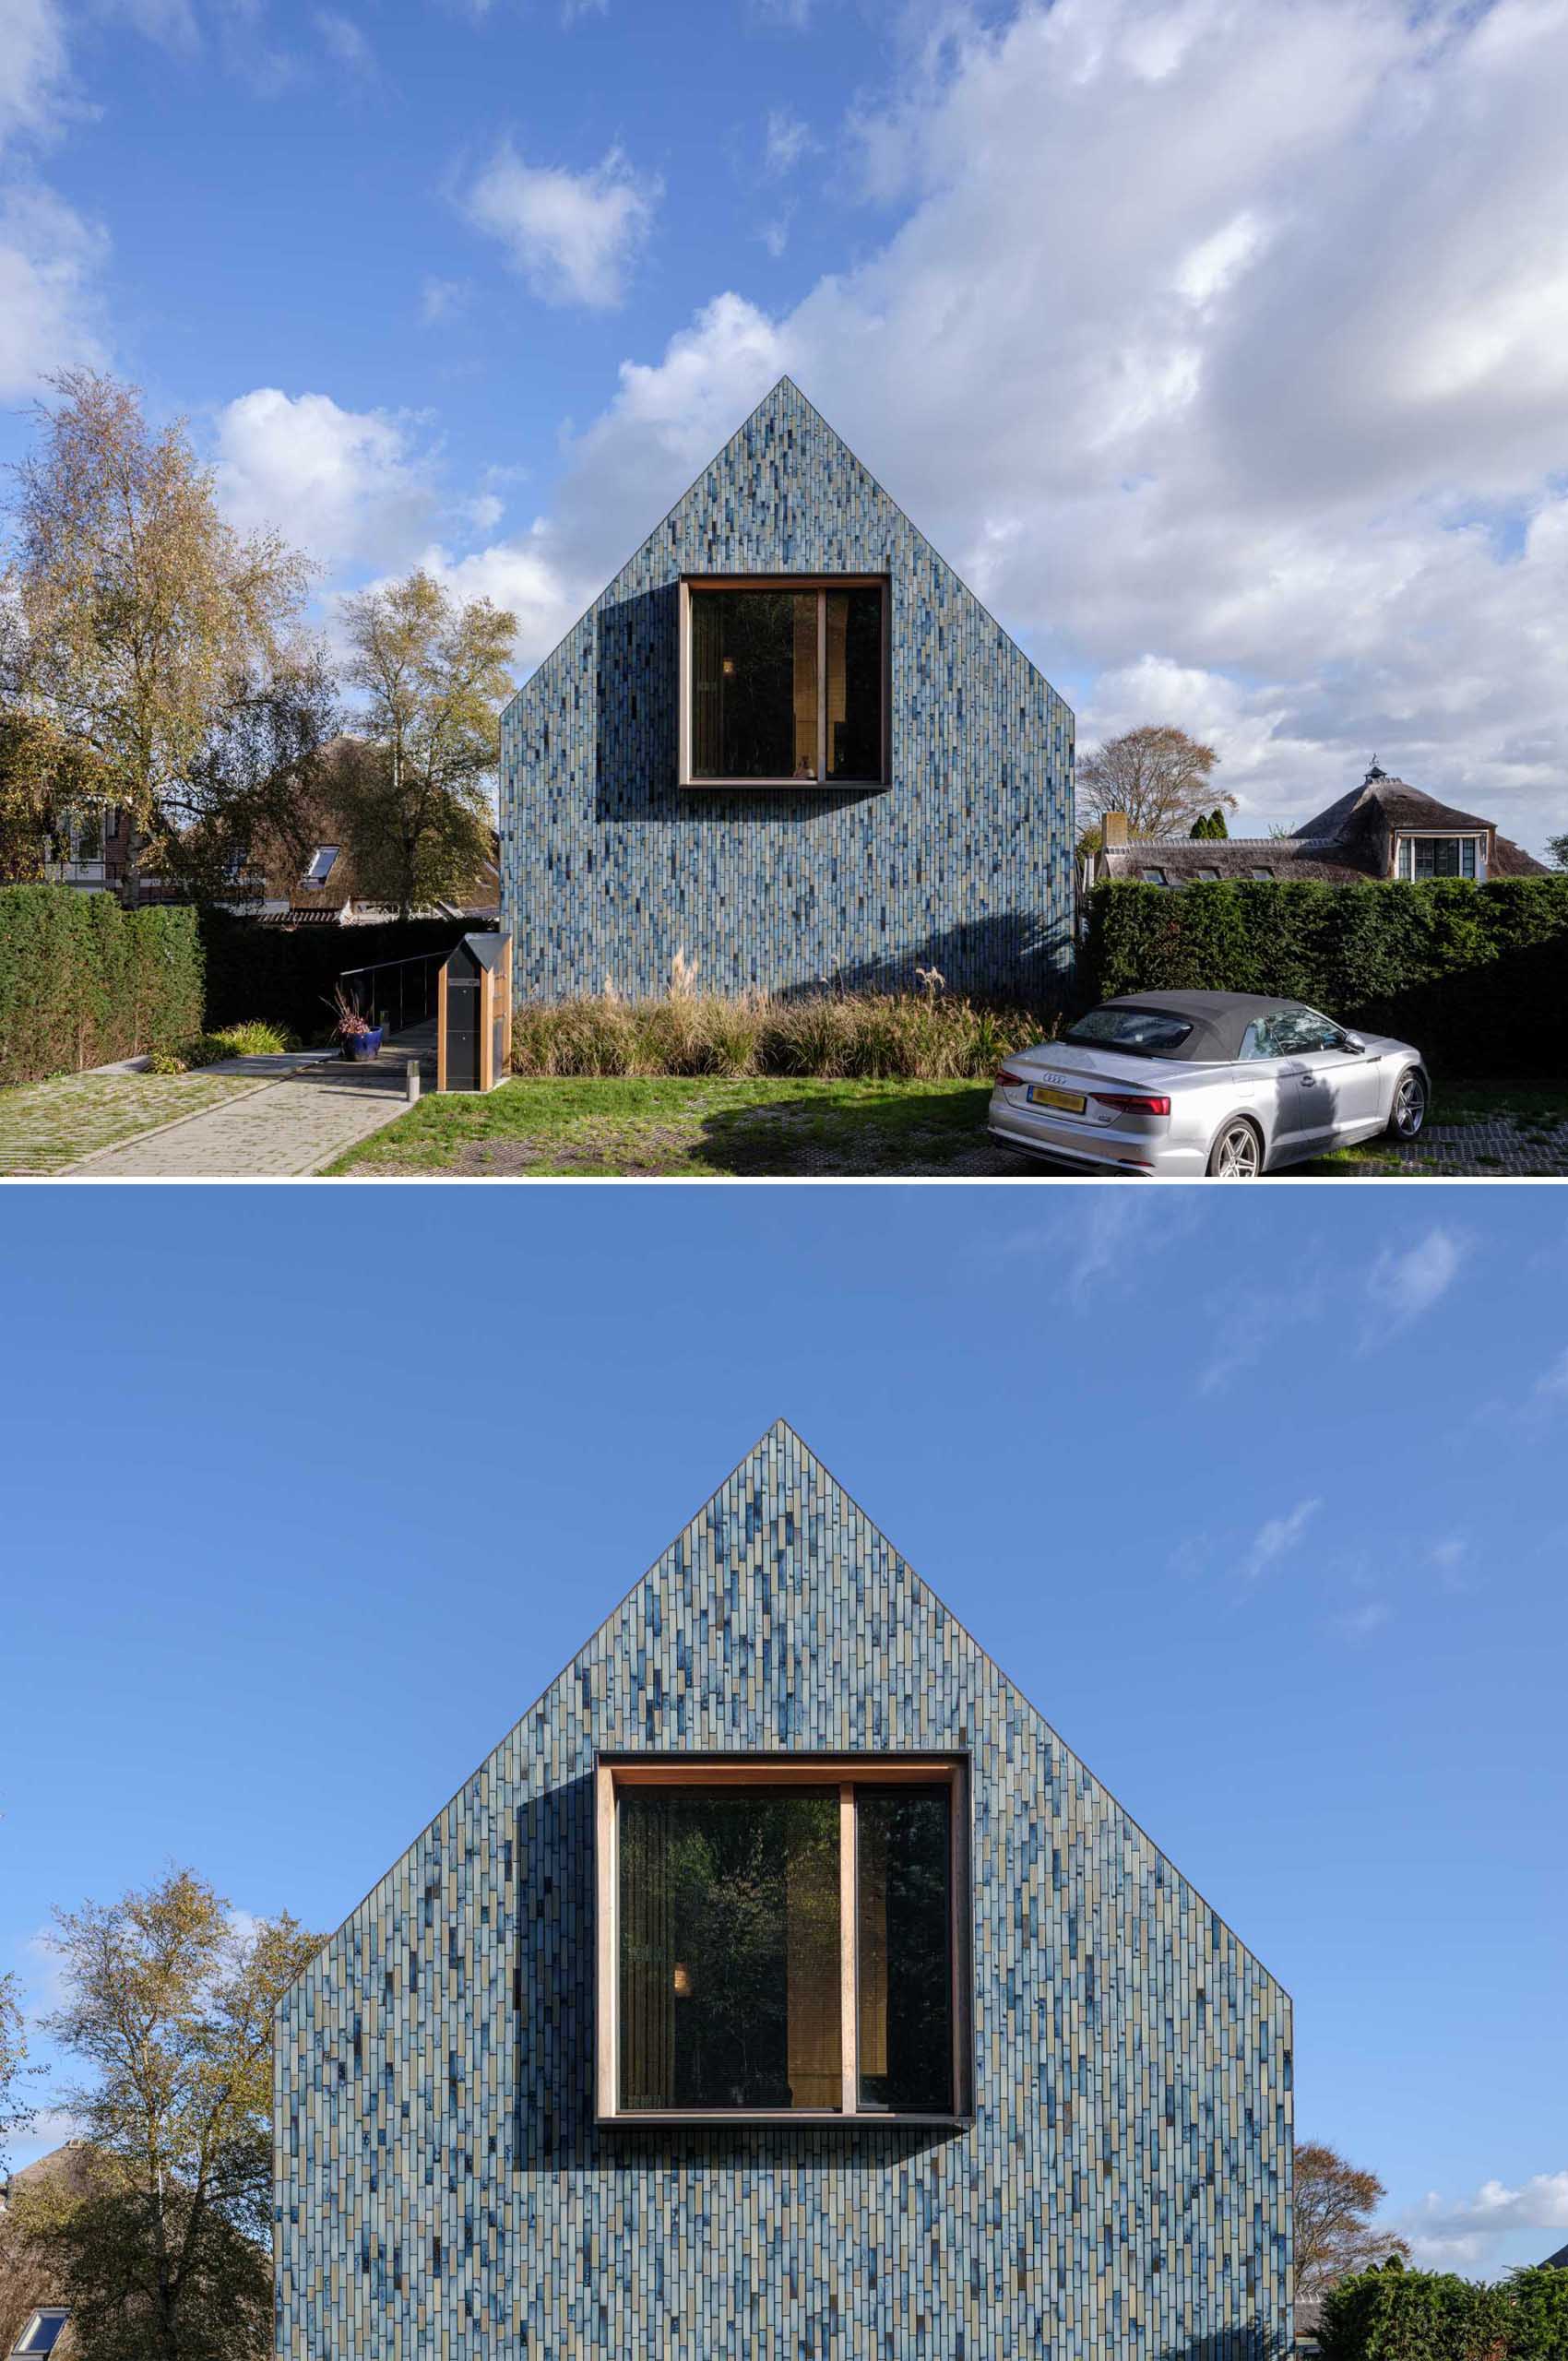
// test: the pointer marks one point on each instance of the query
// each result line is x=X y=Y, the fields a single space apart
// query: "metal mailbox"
x=474 y=1027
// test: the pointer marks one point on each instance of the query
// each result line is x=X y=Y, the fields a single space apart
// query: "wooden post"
x=441 y=1028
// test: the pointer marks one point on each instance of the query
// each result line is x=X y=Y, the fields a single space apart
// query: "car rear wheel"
x=1237 y=1154
x=1409 y=1109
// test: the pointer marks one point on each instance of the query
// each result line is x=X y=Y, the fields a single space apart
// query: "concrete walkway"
x=302 y=1115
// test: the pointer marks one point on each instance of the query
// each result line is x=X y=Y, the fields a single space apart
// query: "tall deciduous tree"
x=1558 y=847
x=1334 y=2203
x=433 y=673
x=169 y=2007
x=1157 y=775
x=14 y=2115
x=142 y=617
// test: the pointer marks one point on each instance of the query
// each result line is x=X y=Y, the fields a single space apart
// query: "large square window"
x=781 y=1937
x=783 y=682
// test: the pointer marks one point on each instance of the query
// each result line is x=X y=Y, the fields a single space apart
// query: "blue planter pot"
x=363 y=1045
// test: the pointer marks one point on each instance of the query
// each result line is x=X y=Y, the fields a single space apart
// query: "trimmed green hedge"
x=285 y=974
x=1396 y=2315
x=83 y=982
x=1476 y=976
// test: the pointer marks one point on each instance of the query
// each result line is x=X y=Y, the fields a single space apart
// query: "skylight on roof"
x=320 y=864
x=41 y=2332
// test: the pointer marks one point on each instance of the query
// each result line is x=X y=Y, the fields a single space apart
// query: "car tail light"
x=1130 y=1102
x=1007 y=1080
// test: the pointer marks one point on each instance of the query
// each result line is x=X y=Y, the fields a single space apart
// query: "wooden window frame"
x=613 y=1773
x=820 y=783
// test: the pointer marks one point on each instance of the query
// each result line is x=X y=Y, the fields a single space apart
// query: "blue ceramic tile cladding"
x=964 y=862
x=441 y=2188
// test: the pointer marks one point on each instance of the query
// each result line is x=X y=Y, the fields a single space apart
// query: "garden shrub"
x=1394 y=2314
x=83 y=982
x=1474 y=974
x=1537 y=2302
x=868 y=1036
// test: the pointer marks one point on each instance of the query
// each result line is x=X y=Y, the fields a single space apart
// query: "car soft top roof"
x=1218 y=1020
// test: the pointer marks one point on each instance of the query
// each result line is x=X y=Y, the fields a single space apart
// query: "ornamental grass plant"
x=916 y=1037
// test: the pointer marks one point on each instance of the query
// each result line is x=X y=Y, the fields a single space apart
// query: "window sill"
x=774 y=785
x=805 y=2118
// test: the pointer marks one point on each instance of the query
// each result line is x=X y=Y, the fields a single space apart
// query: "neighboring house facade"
x=787 y=747
x=32 y=2321
x=783 y=1986
x=1382 y=830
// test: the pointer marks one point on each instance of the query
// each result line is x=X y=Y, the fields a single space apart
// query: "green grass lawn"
x=45 y=1126
x=775 y=1129
x=669 y=1125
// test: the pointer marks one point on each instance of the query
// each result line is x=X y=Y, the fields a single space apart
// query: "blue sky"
x=1259 y=1499
x=1223 y=348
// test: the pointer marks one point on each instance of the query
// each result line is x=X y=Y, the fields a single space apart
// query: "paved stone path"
x=287 y=1128
x=1452 y=1151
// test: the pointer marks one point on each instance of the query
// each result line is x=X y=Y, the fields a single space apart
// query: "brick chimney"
x=1112 y=829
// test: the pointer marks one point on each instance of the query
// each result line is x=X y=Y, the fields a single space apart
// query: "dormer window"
x=1423 y=857
x=783 y=682
x=1152 y=876
x=319 y=867
x=1207 y=876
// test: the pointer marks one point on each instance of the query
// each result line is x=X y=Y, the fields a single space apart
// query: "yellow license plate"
x=1072 y=1102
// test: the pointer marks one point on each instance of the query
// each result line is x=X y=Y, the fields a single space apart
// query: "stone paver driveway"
x=286 y=1128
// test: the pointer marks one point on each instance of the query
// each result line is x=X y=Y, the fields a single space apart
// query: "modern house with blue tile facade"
x=787 y=747
x=783 y=1986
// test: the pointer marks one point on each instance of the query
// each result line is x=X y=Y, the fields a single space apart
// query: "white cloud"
x=573 y=10
x=345 y=42
x=1451 y=2236
x=51 y=261
x=1099 y=1238
x=1267 y=436
x=786 y=141
x=32 y=70
x=1277 y=1537
x=1552 y=1385
x=341 y=484
x=1360 y=1622
x=1404 y=1285
x=775 y=234
x=573 y=236
x=444 y=299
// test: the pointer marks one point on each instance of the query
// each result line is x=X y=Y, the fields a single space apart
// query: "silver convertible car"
x=1177 y=1084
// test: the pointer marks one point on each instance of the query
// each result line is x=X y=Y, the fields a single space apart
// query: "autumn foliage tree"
x=432 y=672
x=140 y=626
x=160 y=2247
x=1156 y=776
x=1335 y=2202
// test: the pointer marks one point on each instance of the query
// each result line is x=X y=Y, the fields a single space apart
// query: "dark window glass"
x=1445 y=856
x=728 y=1948
x=854 y=683
x=903 y=1967
x=753 y=684
x=1144 y=1032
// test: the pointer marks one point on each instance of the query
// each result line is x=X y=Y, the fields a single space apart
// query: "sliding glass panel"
x=854 y=684
x=729 y=1948
x=753 y=684
x=905 y=1969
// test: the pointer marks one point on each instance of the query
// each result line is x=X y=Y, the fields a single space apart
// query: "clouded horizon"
x=1222 y=346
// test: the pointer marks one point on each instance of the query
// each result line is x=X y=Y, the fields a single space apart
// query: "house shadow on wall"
x=1009 y=954
x=553 y=2032
x=638 y=747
